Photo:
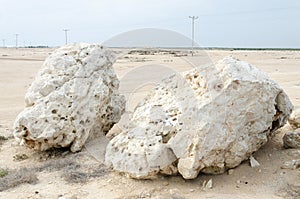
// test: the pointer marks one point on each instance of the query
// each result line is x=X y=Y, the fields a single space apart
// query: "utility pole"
x=17 y=40
x=193 y=31
x=3 y=41
x=66 y=35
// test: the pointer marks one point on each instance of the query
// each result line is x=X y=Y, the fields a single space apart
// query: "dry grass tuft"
x=15 y=178
x=74 y=175
x=72 y=172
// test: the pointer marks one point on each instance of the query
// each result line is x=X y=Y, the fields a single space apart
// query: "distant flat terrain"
x=139 y=70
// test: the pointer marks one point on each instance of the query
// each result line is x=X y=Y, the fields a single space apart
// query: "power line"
x=193 y=31
x=16 y=40
x=3 y=42
x=243 y=12
x=66 y=35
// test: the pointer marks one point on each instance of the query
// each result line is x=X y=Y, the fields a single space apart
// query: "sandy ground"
x=138 y=73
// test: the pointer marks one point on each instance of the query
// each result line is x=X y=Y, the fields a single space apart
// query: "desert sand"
x=61 y=174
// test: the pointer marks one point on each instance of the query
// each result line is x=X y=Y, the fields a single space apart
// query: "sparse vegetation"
x=15 y=178
x=3 y=138
x=3 y=172
x=20 y=157
x=72 y=172
x=73 y=175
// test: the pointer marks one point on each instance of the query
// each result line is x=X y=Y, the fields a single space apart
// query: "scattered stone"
x=145 y=195
x=292 y=164
x=73 y=98
x=253 y=162
x=290 y=191
x=230 y=171
x=292 y=139
x=74 y=197
x=208 y=184
x=167 y=194
x=165 y=183
x=294 y=119
x=208 y=120
x=294 y=153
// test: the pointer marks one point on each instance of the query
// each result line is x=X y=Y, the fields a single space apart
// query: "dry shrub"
x=15 y=178
x=3 y=138
x=72 y=172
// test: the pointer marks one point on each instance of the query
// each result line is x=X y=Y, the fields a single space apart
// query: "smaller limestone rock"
x=292 y=139
x=294 y=119
x=253 y=162
x=292 y=164
x=230 y=171
x=208 y=184
x=165 y=183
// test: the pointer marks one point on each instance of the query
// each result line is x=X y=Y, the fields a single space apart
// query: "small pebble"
x=253 y=162
x=292 y=164
x=230 y=171
x=207 y=184
x=165 y=183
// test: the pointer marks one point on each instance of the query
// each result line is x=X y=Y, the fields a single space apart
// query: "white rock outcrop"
x=294 y=119
x=292 y=139
x=208 y=120
x=73 y=98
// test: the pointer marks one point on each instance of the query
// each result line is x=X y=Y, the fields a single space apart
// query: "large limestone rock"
x=73 y=98
x=206 y=120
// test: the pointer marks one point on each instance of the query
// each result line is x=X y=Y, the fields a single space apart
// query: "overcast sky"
x=223 y=23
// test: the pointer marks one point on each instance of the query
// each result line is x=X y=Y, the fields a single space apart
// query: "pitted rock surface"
x=73 y=98
x=208 y=120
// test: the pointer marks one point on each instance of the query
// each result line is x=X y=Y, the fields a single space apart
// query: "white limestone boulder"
x=73 y=98
x=208 y=120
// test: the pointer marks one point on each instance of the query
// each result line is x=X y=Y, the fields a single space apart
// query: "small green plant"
x=20 y=157
x=3 y=172
x=3 y=138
